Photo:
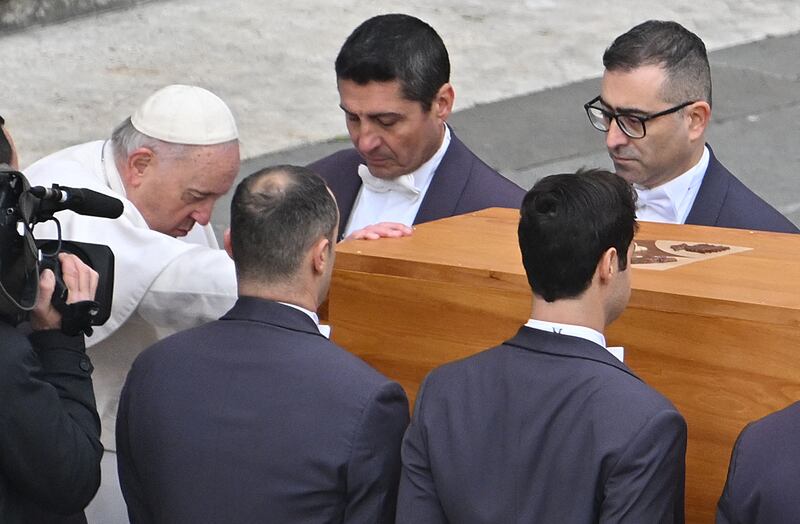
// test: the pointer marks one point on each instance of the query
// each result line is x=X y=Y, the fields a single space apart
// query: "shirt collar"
x=671 y=202
x=110 y=171
x=424 y=173
x=323 y=329
x=573 y=330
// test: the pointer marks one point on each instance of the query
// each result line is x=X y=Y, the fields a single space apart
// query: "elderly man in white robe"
x=168 y=163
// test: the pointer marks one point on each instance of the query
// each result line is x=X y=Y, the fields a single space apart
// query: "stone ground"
x=522 y=70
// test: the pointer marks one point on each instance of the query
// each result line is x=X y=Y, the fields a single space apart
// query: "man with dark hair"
x=655 y=106
x=257 y=417
x=408 y=167
x=763 y=480
x=551 y=426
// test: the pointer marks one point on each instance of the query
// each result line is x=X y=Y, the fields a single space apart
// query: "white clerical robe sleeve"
x=197 y=286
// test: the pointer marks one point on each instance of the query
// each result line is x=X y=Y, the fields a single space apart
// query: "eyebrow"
x=373 y=115
x=623 y=110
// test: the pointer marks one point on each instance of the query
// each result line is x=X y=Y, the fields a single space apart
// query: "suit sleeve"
x=418 y=502
x=647 y=482
x=129 y=479
x=374 y=466
x=727 y=511
x=50 y=443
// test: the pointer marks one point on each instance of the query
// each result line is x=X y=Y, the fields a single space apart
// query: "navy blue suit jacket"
x=544 y=428
x=723 y=201
x=258 y=418
x=763 y=483
x=462 y=183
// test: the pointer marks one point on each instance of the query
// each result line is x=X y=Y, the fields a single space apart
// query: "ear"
x=443 y=101
x=136 y=165
x=699 y=116
x=321 y=255
x=226 y=242
x=608 y=265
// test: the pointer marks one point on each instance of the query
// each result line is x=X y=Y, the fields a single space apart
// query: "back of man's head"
x=567 y=222
x=396 y=47
x=277 y=214
x=670 y=46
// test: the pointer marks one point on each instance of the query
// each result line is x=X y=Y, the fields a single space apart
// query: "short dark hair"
x=5 y=145
x=681 y=53
x=567 y=222
x=277 y=214
x=396 y=47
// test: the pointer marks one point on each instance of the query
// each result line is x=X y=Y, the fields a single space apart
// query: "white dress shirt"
x=388 y=201
x=671 y=202
x=572 y=330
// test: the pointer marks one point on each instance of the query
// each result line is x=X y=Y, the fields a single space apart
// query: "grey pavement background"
x=521 y=69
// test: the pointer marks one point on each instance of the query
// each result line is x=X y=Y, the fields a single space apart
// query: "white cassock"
x=161 y=284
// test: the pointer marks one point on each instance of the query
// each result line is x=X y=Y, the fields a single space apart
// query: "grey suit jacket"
x=462 y=183
x=763 y=485
x=544 y=428
x=258 y=418
x=723 y=201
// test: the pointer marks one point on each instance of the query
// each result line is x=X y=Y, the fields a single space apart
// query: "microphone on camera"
x=81 y=201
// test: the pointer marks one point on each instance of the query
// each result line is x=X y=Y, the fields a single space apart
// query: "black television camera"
x=22 y=257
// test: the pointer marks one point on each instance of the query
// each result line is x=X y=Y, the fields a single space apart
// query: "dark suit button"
x=85 y=365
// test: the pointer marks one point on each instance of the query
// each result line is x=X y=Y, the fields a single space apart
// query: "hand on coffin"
x=381 y=230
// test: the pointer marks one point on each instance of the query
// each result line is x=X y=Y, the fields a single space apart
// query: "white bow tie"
x=403 y=184
x=656 y=201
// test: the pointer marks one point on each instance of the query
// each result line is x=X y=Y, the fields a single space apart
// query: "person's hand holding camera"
x=80 y=280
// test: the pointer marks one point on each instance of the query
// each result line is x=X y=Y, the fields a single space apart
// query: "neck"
x=289 y=292
x=575 y=311
x=691 y=160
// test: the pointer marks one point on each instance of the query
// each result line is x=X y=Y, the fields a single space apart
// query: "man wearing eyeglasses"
x=654 y=106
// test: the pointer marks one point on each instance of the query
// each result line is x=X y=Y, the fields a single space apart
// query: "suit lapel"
x=449 y=181
x=346 y=187
x=540 y=341
x=711 y=196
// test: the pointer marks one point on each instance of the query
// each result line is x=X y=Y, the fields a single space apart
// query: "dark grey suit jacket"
x=258 y=418
x=763 y=483
x=544 y=428
x=462 y=183
x=723 y=201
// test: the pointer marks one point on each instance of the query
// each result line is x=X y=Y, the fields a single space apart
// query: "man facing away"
x=407 y=166
x=168 y=163
x=655 y=106
x=257 y=417
x=550 y=426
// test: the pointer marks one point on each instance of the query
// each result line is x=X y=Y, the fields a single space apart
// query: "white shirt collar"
x=572 y=330
x=424 y=173
x=671 y=202
x=109 y=169
x=325 y=330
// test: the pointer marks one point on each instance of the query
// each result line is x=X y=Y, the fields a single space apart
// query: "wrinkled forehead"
x=209 y=169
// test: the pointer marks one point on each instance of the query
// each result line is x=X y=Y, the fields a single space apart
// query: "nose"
x=202 y=214
x=615 y=137
x=366 y=139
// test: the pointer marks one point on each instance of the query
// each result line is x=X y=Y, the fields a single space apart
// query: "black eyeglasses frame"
x=615 y=116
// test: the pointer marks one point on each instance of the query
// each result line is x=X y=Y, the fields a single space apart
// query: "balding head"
x=277 y=215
